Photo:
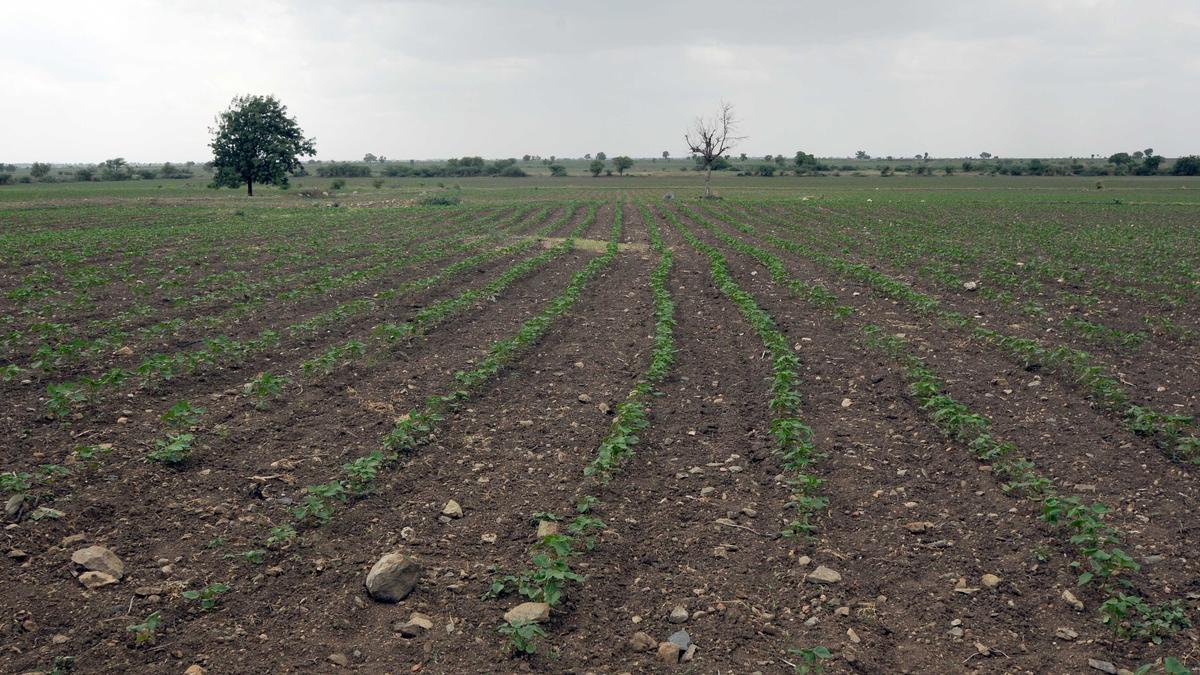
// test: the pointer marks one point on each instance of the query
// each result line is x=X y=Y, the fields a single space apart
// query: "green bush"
x=1186 y=166
x=343 y=170
x=439 y=200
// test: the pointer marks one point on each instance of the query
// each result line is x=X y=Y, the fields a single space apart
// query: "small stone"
x=955 y=632
x=393 y=577
x=824 y=575
x=529 y=612
x=93 y=580
x=1073 y=601
x=842 y=611
x=195 y=669
x=990 y=580
x=18 y=555
x=681 y=639
x=59 y=639
x=123 y=351
x=72 y=539
x=12 y=507
x=668 y=652
x=846 y=403
x=917 y=527
x=99 y=559
x=812 y=621
x=546 y=528
x=853 y=636
x=339 y=659
x=525 y=423
x=642 y=642
x=803 y=561
x=1064 y=633
x=1103 y=666
x=689 y=654
x=488 y=537
x=416 y=625
x=707 y=490
x=971 y=285
x=584 y=398
x=679 y=614
x=452 y=510
x=122 y=420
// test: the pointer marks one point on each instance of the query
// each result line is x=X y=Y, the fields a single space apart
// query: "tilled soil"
x=938 y=568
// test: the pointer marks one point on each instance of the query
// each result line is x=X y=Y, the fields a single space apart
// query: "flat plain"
x=871 y=425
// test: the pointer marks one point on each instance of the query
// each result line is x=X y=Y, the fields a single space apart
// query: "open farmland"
x=927 y=425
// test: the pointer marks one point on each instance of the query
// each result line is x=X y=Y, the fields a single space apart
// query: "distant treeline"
x=1137 y=163
x=115 y=169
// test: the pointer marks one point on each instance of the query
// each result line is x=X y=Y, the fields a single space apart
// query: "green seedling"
x=146 y=631
x=173 y=451
x=182 y=415
x=522 y=636
x=207 y=596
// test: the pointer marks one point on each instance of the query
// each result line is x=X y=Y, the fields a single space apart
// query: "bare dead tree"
x=711 y=138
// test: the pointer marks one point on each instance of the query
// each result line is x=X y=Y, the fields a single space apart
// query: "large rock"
x=528 y=612
x=99 y=559
x=393 y=577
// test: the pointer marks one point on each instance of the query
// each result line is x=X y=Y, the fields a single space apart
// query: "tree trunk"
x=707 y=178
x=249 y=188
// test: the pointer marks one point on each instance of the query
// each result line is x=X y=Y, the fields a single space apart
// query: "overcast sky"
x=85 y=81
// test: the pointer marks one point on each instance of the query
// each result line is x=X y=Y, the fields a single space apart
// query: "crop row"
x=1175 y=432
x=1104 y=562
x=793 y=439
x=62 y=397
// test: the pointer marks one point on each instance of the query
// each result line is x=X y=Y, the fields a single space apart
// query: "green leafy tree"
x=596 y=167
x=1120 y=158
x=256 y=142
x=558 y=170
x=601 y=156
x=666 y=155
x=39 y=170
x=622 y=162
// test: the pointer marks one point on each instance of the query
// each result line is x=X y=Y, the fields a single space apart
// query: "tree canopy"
x=256 y=142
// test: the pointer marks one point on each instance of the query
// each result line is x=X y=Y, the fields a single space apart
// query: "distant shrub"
x=337 y=184
x=145 y=174
x=24 y=179
x=513 y=171
x=1186 y=166
x=378 y=183
x=558 y=170
x=439 y=200
x=169 y=170
x=343 y=170
x=5 y=178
